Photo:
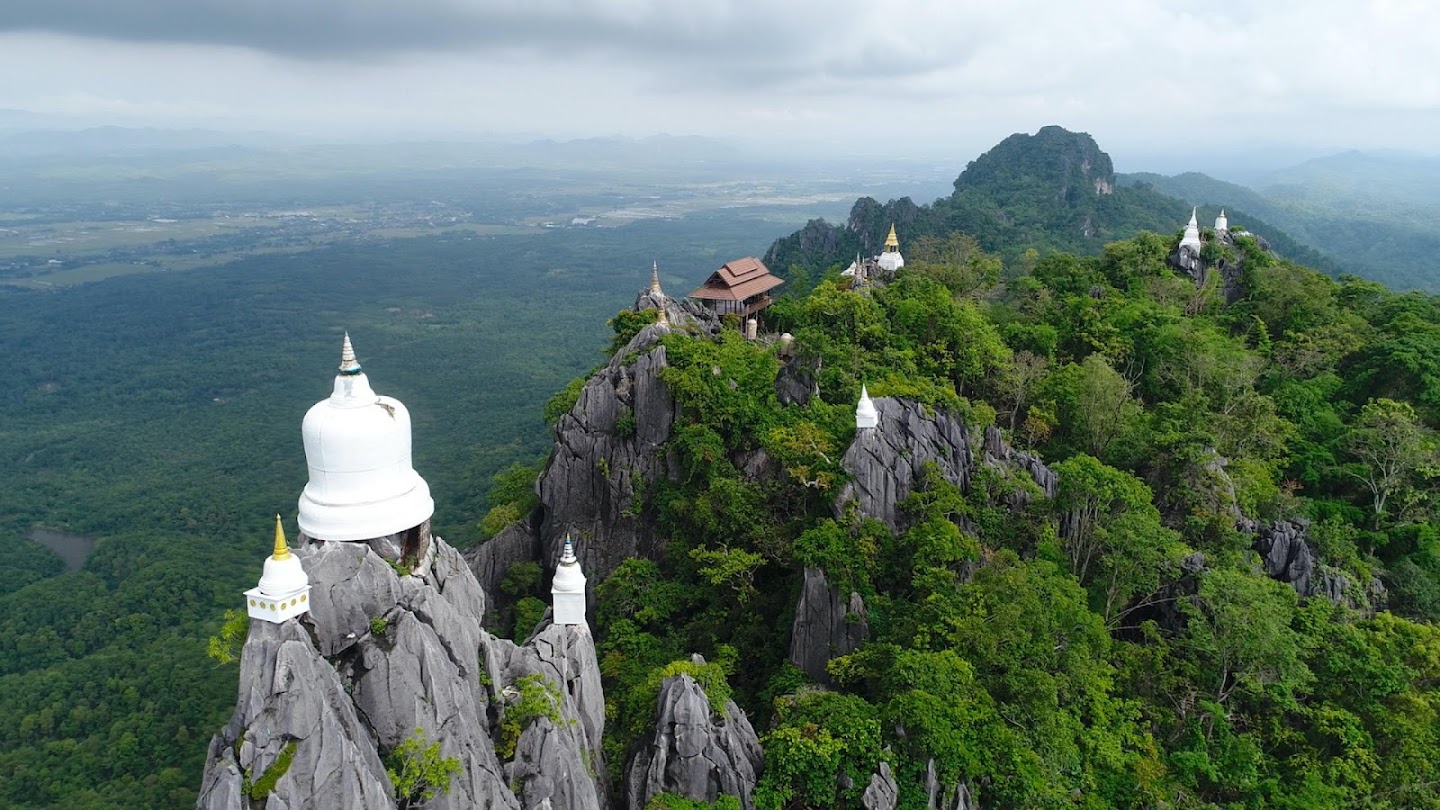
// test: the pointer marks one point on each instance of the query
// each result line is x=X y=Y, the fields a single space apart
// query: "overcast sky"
x=932 y=76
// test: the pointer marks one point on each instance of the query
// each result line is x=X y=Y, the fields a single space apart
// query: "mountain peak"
x=1054 y=161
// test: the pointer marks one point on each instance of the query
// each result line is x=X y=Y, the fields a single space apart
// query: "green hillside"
x=1051 y=191
x=1375 y=215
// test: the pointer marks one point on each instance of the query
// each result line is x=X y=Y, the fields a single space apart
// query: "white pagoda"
x=866 y=416
x=567 y=589
x=284 y=589
x=357 y=446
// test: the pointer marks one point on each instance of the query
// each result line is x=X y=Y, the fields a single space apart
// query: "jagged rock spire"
x=348 y=364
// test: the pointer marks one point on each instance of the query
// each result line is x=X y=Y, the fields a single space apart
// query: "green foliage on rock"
x=419 y=771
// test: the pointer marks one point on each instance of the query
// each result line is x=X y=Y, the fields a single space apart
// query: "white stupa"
x=1221 y=223
x=357 y=446
x=1191 y=239
x=865 y=414
x=891 y=259
x=284 y=589
x=567 y=589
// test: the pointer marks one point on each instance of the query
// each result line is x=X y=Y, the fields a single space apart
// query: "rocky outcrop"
x=796 y=382
x=1287 y=555
x=884 y=462
x=389 y=648
x=491 y=560
x=1228 y=264
x=1000 y=455
x=291 y=698
x=605 y=448
x=695 y=752
x=546 y=761
x=827 y=625
x=882 y=793
x=681 y=312
x=957 y=797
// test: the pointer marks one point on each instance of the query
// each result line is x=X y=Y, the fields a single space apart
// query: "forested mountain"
x=1378 y=212
x=1115 y=542
x=1123 y=535
x=1051 y=191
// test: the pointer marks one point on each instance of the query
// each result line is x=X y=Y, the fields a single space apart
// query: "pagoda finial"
x=348 y=364
x=892 y=242
x=1193 y=222
x=567 y=556
x=282 y=550
x=655 y=278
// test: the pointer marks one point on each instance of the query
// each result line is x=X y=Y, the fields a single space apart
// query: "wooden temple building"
x=740 y=286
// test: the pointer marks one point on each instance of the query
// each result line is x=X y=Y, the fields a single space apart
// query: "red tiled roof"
x=737 y=280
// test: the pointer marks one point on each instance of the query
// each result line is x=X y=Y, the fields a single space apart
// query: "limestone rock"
x=884 y=462
x=491 y=560
x=290 y=695
x=958 y=797
x=1287 y=555
x=796 y=382
x=565 y=656
x=826 y=625
x=999 y=454
x=681 y=312
x=590 y=481
x=548 y=770
x=349 y=586
x=694 y=752
x=882 y=793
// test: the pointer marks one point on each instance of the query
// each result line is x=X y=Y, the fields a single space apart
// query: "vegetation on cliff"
x=1120 y=644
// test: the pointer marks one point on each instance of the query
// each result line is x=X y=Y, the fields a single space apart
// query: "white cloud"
x=957 y=72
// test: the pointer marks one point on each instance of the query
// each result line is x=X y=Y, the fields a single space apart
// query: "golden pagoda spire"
x=892 y=243
x=282 y=551
x=655 y=278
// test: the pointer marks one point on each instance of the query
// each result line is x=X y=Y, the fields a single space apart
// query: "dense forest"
x=160 y=414
x=1119 y=644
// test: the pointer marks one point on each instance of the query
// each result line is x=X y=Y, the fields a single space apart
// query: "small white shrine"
x=567 y=589
x=866 y=416
x=284 y=589
x=1221 y=223
x=1191 y=239
x=357 y=446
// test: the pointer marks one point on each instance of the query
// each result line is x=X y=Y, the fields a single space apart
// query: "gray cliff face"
x=827 y=625
x=882 y=793
x=381 y=654
x=491 y=560
x=884 y=462
x=590 y=482
x=290 y=695
x=565 y=765
x=694 y=752
x=1287 y=555
x=1003 y=457
x=957 y=797
x=682 y=312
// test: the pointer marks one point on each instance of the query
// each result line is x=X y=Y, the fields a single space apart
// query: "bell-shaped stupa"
x=357 y=446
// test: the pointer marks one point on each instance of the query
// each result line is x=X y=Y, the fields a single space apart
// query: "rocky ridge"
x=387 y=650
